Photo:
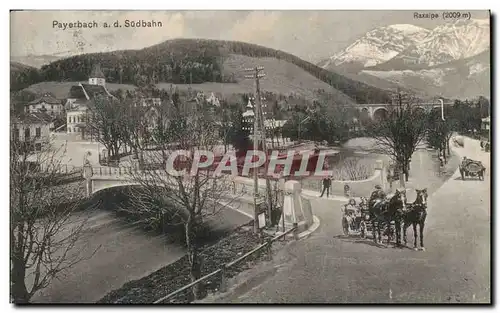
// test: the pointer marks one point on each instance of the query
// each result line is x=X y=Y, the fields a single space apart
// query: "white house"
x=213 y=100
x=97 y=76
x=32 y=127
x=46 y=103
x=76 y=120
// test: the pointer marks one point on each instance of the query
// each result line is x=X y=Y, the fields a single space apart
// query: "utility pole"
x=266 y=167
x=257 y=136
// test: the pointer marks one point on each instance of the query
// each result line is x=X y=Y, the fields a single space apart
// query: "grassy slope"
x=281 y=77
x=61 y=89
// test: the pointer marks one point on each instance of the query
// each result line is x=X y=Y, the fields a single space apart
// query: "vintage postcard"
x=285 y=157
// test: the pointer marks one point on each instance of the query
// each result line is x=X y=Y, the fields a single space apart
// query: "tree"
x=136 y=125
x=107 y=118
x=399 y=134
x=44 y=232
x=187 y=200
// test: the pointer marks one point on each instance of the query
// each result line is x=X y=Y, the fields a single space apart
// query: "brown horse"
x=383 y=212
x=416 y=215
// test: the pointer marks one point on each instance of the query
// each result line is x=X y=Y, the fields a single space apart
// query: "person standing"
x=327 y=181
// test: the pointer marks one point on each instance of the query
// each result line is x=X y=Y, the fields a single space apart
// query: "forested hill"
x=22 y=76
x=182 y=61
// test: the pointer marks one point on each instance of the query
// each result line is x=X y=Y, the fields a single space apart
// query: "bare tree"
x=400 y=132
x=107 y=117
x=439 y=133
x=187 y=200
x=136 y=127
x=43 y=227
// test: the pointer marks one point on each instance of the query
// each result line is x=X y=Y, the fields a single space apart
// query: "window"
x=27 y=133
x=15 y=134
x=38 y=146
x=38 y=132
x=69 y=129
x=52 y=107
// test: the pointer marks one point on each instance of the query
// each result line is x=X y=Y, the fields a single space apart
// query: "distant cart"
x=486 y=145
x=471 y=168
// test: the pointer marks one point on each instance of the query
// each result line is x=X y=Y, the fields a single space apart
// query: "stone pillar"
x=296 y=209
x=88 y=183
x=379 y=166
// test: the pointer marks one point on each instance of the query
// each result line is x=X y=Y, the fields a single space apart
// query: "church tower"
x=97 y=76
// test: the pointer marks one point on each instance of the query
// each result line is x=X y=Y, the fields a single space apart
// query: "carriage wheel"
x=345 y=226
x=362 y=227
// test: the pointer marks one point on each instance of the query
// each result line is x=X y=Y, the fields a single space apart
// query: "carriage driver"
x=377 y=196
x=464 y=161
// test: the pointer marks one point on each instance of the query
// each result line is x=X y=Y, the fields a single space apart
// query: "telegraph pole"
x=263 y=138
x=257 y=135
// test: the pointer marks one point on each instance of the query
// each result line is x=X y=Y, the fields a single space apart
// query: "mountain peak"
x=395 y=46
x=408 y=28
x=378 y=45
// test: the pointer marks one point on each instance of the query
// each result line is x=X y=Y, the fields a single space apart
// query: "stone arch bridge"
x=379 y=111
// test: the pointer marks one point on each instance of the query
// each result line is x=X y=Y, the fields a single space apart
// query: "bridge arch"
x=380 y=114
x=364 y=115
x=104 y=184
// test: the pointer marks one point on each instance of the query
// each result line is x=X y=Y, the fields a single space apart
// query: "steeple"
x=97 y=76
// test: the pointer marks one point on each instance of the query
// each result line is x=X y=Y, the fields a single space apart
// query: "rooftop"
x=87 y=91
x=97 y=72
x=47 y=98
x=32 y=118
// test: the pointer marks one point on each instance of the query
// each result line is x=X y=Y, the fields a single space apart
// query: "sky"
x=311 y=35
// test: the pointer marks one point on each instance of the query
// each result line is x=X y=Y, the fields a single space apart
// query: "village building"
x=45 y=104
x=271 y=125
x=81 y=97
x=213 y=100
x=33 y=128
x=148 y=97
x=485 y=123
x=97 y=76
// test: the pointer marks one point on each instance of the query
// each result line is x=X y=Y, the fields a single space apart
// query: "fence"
x=223 y=270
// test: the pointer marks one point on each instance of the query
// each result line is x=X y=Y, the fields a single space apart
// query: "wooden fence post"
x=296 y=231
x=269 y=249
x=100 y=171
x=223 y=279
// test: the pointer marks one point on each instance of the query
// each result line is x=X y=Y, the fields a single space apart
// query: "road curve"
x=455 y=268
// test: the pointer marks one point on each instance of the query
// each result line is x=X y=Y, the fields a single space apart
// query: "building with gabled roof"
x=47 y=104
x=33 y=128
x=81 y=97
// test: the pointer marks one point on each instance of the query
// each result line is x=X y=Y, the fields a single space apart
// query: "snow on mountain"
x=447 y=42
x=402 y=46
x=463 y=78
x=450 y=60
x=378 y=45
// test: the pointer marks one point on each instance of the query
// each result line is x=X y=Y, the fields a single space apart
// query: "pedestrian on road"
x=327 y=181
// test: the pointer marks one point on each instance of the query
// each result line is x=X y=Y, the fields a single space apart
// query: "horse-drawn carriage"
x=388 y=217
x=471 y=168
x=356 y=217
